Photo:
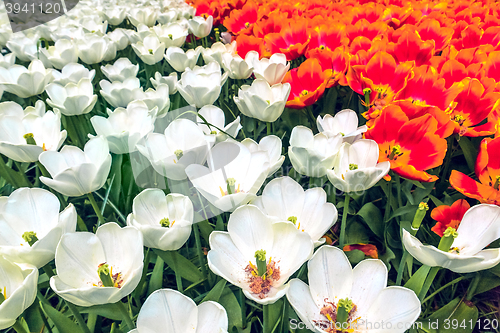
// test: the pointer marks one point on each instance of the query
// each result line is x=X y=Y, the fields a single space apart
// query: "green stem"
x=269 y=131
x=389 y=199
x=199 y=250
x=48 y=270
x=19 y=327
x=96 y=208
x=91 y=322
x=78 y=317
x=428 y=282
x=401 y=267
x=266 y=325
x=344 y=221
x=125 y=314
x=473 y=286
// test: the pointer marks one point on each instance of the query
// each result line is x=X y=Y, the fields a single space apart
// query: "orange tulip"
x=308 y=83
x=449 y=216
x=292 y=40
x=369 y=250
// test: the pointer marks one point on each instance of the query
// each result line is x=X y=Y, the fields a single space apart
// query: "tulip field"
x=249 y=166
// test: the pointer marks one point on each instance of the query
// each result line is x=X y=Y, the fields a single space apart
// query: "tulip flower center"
x=497 y=183
x=231 y=187
x=3 y=295
x=322 y=47
x=165 y=222
x=293 y=219
x=178 y=153
x=30 y=237
x=304 y=92
x=263 y=274
x=150 y=51
x=353 y=166
x=170 y=36
x=108 y=279
x=213 y=132
x=29 y=139
x=395 y=152
x=339 y=316
x=458 y=119
x=447 y=241
x=247 y=25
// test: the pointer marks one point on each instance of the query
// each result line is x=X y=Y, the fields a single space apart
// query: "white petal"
x=212 y=318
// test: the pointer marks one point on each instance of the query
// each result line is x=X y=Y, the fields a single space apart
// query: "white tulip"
x=25 y=82
x=183 y=143
x=201 y=27
x=170 y=81
x=121 y=70
x=168 y=15
x=272 y=69
x=72 y=99
x=7 y=60
x=164 y=221
x=169 y=311
x=262 y=101
x=32 y=226
x=362 y=292
x=156 y=99
x=93 y=49
x=61 y=53
x=24 y=47
x=112 y=251
x=344 y=122
x=233 y=177
x=150 y=50
x=181 y=60
x=479 y=227
x=285 y=200
x=143 y=15
x=202 y=85
x=72 y=73
x=215 y=52
x=120 y=38
x=124 y=127
x=356 y=167
x=119 y=94
x=281 y=248
x=18 y=127
x=272 y=146
x=75 y=172
x=236 y=66
x=215 y=116
x=18 y=288
x=312 y=155
x=114 y=14
x=172 y=34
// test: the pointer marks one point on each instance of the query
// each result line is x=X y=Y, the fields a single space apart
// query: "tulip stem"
x=401 y=267
x=265 y=319
x=19 y=327
x=201 y=256
x=78 y=317
x=428 y=282
x=125 y=314
x=96 y=208
x=344 y=220
x=473 y=286
x=269 y=130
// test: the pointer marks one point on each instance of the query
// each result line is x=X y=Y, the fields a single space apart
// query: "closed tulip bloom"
x=216 y=120
x=98 y=268
x=181 y=60
x=312 y=155
x=258 y=255
x=119 y=94
x=169 y=311
x=272 y=146
x=339 y=296
x=24 y=46
x=120 y=38
x=271 y=69
x=201 y=27
x=285 y=200
x=262 y=101
x=114 y=14
x=61 y=53
x=236 y=66
x=233 y=176
x=93 y=49
x=26 y=134
x=215 y=52
x=172 y=34
x=150 y=50
x=72 y=73
x=121 y=70
x=18 y=290
x=480 y=226
x=170 y=81
x=164 y=221
x=344 y=122
x=32 y=225
x=202 y=85
x=124 y=127
x=143 y=15
x=7 y=60
x=75 y=172
x=183 y=143
x=156 y=99
x=25 y=82
x=356 y=167
x=73 y=98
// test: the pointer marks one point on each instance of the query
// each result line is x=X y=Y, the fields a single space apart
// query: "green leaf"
x=356 y=233
x=156 y=281
x=403 y=210
x=487 y=282
x=275 y=311
x=373 y=218
x=116 y=171
x=230 y=303
x=436 y=201
x=417 y=280
x=181 y=265
x=105 y=310
x=454 y=317
x=216 y=292
x=470 y=152
x=63 y=323
x=355 y=256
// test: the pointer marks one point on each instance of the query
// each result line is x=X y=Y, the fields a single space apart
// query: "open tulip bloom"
x=344 y=122
x=285 y=200
x=479 y=227
x=98 y=268
x=169 y=311
x=354 y=299
x=75 y=172
x=164 y=221
x=270 y=144
x=356 y=167
x=233 y=176
x=215 y=116
x=32 y=225
x=18 y=287
x=258 y=255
